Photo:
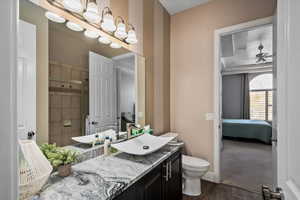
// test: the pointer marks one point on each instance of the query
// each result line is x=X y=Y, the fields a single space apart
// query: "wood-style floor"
x=211 y=191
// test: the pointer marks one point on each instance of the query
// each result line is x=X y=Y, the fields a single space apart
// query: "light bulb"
x=121 y=31
x=92 y=14
x=115 y=45
x=73 y=5
x=74 y=27
x=91 y=34
x=108 y=23
x=104 y=40
x=54 y=17
x=131 y=39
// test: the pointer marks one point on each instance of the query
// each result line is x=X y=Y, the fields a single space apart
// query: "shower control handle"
x=94 y=123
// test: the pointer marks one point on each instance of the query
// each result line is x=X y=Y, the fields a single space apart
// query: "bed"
x=247 y=129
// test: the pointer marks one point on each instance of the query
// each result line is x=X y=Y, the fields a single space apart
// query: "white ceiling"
x=240 y=49
x=176 y=6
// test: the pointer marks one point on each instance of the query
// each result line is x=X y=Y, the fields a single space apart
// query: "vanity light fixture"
x=54 y=17
x=92 y=13
x=91 y=34
x=73 y=5
x=86 y=13
x=121 y=28
x=104 y=40
x=107 y=21
x=74 y=27
x=115 y=45
x=131 y=39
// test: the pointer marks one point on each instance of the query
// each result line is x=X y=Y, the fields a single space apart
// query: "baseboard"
x=211 y=177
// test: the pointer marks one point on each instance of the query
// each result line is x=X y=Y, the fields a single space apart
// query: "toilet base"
x=192 y=186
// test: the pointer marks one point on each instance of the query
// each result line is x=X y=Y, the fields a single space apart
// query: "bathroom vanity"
x=121 y=176
x=162 y=182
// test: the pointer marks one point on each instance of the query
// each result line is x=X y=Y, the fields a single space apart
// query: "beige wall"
x=156 y=48
x=34 y=15
x=192 y=38
x=161 y=69
x=120 y=8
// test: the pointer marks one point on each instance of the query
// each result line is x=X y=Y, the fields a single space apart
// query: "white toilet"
x=193 y=169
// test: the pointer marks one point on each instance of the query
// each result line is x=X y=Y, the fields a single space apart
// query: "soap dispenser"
x=106 y=146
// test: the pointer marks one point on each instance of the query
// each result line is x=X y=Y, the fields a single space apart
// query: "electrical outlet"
x=209 y=116
x=141 y=115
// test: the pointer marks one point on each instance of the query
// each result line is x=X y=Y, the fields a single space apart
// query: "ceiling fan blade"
x=268 y=56
x=259 y=55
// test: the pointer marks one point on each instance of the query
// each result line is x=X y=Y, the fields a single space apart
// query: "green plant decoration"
x=58 y=156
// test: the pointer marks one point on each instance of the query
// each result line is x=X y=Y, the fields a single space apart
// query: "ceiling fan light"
x=73 y=5
x=115 y=45
x=54 y=17
x=104 y=40
x=91 y=34
x=74 y=27
x=92 y=14
x=131 y=39
x=108 y=23
x=121 y=31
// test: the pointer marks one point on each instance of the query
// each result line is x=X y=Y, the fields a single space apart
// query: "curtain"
x=245 y=97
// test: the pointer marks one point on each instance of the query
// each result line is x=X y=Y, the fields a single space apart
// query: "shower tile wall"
x=67 y=103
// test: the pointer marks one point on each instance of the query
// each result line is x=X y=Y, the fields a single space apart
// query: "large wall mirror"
x=91 y=86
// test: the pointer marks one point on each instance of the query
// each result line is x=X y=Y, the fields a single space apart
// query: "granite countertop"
x=103 y=177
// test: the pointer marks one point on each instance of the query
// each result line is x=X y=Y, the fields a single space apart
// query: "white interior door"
x=26 y=80
x=288 y=98
x=102 y=93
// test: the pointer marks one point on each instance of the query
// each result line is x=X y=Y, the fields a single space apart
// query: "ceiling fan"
x=261 y=57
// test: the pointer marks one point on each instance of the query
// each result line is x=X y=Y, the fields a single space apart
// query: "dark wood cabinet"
x=128 y=194
x=164 y=182
x=152 y=185
x=173 y=184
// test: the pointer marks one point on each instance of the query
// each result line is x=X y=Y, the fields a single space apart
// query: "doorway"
x=244 y=104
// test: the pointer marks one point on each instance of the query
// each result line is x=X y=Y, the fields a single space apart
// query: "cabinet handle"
x=170 y=168
x=167 y=172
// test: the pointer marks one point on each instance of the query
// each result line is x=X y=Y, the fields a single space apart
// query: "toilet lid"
x=193 y=162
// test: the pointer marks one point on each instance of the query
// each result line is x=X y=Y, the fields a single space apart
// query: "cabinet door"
x=152 y=185
x=130 y=193
x=173 y=186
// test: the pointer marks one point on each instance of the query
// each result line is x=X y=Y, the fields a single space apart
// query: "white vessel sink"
x=142 y=145
x=89 y=139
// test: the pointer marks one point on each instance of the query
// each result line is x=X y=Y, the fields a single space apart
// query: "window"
x=261 y=97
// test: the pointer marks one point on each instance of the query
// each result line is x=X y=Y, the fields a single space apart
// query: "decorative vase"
x=34 y=169
x=64 y=170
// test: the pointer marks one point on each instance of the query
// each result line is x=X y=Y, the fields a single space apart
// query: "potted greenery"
x=61 y=159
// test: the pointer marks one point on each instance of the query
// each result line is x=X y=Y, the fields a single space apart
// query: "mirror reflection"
x=90 y=87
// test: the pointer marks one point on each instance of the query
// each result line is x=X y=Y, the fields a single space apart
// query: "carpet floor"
x=246 y=165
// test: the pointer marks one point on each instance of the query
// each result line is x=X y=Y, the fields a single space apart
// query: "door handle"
x=30 y=135
x=274 y=140
x=167 y=172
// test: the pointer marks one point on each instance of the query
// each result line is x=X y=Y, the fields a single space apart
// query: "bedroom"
x=247 y=111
